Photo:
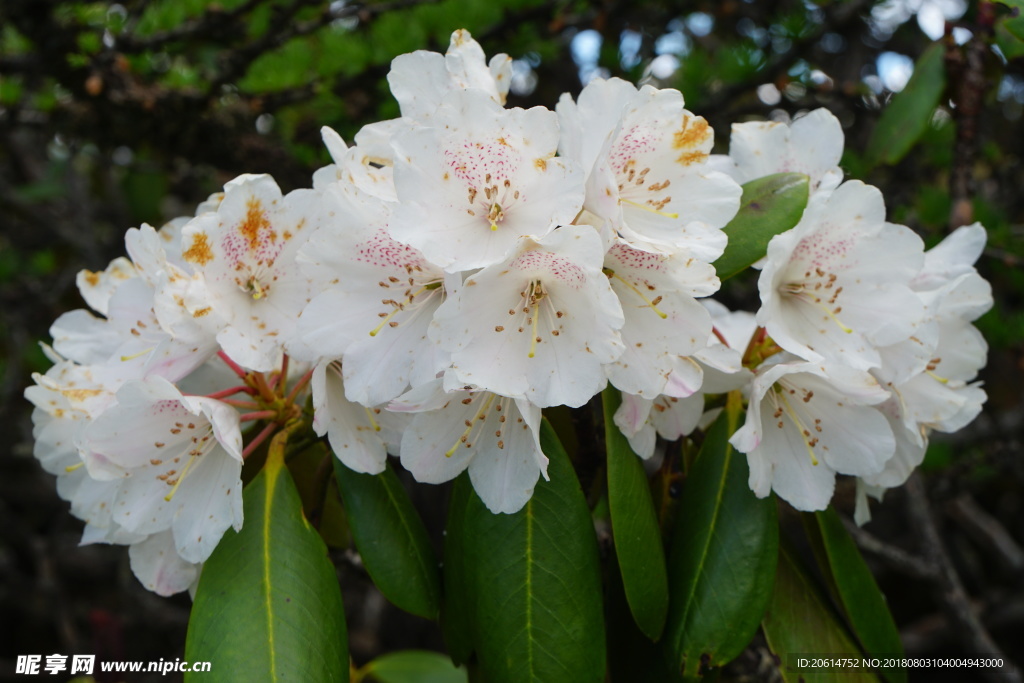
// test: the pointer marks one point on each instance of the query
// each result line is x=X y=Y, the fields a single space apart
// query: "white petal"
x=158 y=567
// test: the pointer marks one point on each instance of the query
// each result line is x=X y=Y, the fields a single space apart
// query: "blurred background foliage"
x=115 y=114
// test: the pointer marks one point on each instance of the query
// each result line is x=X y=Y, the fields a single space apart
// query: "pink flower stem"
x=241 y=404
x=261 y=386
x=282 y=378
x=224 y=393
x=260 y=438
x=299 y=386
x=259 y=415
x=719 y=335
x=235 y=367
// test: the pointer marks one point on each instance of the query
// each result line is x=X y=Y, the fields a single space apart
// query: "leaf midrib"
x=271 y=485
x=711 y=532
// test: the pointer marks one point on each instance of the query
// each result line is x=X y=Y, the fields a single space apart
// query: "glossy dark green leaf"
x=798 y=623
x=909 y=113
x=723 y=556
x=456 y=607
x=391 y=539
x=632 y=657
x=863 y=602
x=769 y=205
x=534 y=581
x=413 y=666
x=268 y=606
x=635 y=528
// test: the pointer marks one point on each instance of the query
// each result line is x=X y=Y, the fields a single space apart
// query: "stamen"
x=193 y=456
x=832 y=315
x=652 y=304
x=797 y=290
x=648 y=208
x=399 y=306
x=136 y=355
x=937 y=378
x=464 y=437
x=799 y=425
x=495 y=215
x=533 y=340
x=72 y=468
x=369 y=416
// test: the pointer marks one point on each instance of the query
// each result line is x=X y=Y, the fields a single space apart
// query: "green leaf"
x=456 y=608
x=414 y=666
x=798 y=623
x=268 y=606
x=391 y=539
x=862 y=601
x=723 y=556
x=1010 y=35
x=908 y=114
x=635 y=528
x=534 y=581
x=632 y=657
x=769 y=205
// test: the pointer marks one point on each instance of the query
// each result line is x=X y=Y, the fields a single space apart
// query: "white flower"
x=641 y=419
x=482 y=177
x=812 y=145
x=66 y=399
x=722 y=360
x=359 y=436
x=368 y=165
x=952 y=257
x=930 y=372
x=538 y=325
x=496 y=438
x=805 y=423
x=184 y=339
x=377 y=300
x=245 y=254
x=645 y=157
x=836 y=286
x=97 y=287
x=158 y=567
x=420 y=80
x=178 y=461
x=663 y=322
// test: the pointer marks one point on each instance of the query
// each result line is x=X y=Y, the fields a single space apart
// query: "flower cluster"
x=462 y=267
x=865 y=342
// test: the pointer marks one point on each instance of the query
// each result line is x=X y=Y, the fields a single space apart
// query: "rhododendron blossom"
x=457 y=278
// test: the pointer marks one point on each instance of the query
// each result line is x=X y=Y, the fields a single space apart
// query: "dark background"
x=116 y=114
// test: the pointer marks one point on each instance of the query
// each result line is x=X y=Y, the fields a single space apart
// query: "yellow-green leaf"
x=413 y=666
x=798 y=622
x=533 y=580
x=909 y=113
x=769 y=205
x=268 y=606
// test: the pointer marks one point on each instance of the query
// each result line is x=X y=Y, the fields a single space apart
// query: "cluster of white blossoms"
x=863 y=342
x=462 y=267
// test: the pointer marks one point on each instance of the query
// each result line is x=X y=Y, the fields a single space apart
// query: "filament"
x=636 y=290
x=464 y=437
x=399 y=307
x=799 y=425
x=648 y=208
